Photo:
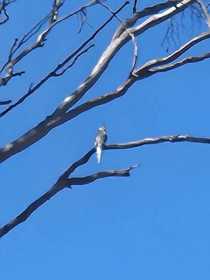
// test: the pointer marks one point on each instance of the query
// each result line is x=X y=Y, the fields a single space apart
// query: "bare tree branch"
x=187 y=60
x=158 y=140
x=39 y=42
x=176 y=54
x=23 y=216
x=63 y=64
x=99 y=175
x=139 y=74
x=114 y=46
x=59 y=116
x=65 y=182
x=5 y=102
x=148 y=11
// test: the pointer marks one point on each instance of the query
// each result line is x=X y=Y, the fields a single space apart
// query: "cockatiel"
x=101 y=139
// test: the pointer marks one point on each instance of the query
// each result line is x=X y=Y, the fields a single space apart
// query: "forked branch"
x=66 y=181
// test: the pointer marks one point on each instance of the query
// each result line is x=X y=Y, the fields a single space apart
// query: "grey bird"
x=101 y=139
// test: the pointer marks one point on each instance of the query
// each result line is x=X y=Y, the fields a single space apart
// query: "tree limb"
x=114 y=46
x=61 y=114
x=65 y=182
x=158 y=140
x=57 y=119
x=187 y=60
x=176 y=54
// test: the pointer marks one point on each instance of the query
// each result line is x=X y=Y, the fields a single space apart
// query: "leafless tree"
x=139 y=20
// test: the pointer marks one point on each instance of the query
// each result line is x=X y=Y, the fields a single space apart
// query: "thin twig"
x=135 y=6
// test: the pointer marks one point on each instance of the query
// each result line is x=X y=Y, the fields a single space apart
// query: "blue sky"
x=153 y=225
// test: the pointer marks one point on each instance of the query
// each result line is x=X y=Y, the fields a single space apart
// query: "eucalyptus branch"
x=61 y=114
x=148 y=11
x=133 y=39
x=176 y=54
x=24 y=215
x=187 y=60
x=158 y=140
x=114 y=46
x=64 y=181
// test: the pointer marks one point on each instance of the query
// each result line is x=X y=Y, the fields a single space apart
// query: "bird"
x=101 y=139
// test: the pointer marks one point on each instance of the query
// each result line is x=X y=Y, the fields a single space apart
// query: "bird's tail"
x=98 y=153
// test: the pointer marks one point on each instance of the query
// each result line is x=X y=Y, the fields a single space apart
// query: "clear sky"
x=152 y=225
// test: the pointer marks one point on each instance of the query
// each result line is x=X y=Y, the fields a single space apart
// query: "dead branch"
x=112 y=49
x=65 y=182
x=61 y=114
x=176 y=54
x=187 y=60
x=158 y=140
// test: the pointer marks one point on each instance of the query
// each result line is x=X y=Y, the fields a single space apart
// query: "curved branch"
x=113 y=48
x=52 y=121
x=187 y=60
x=176 y=54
